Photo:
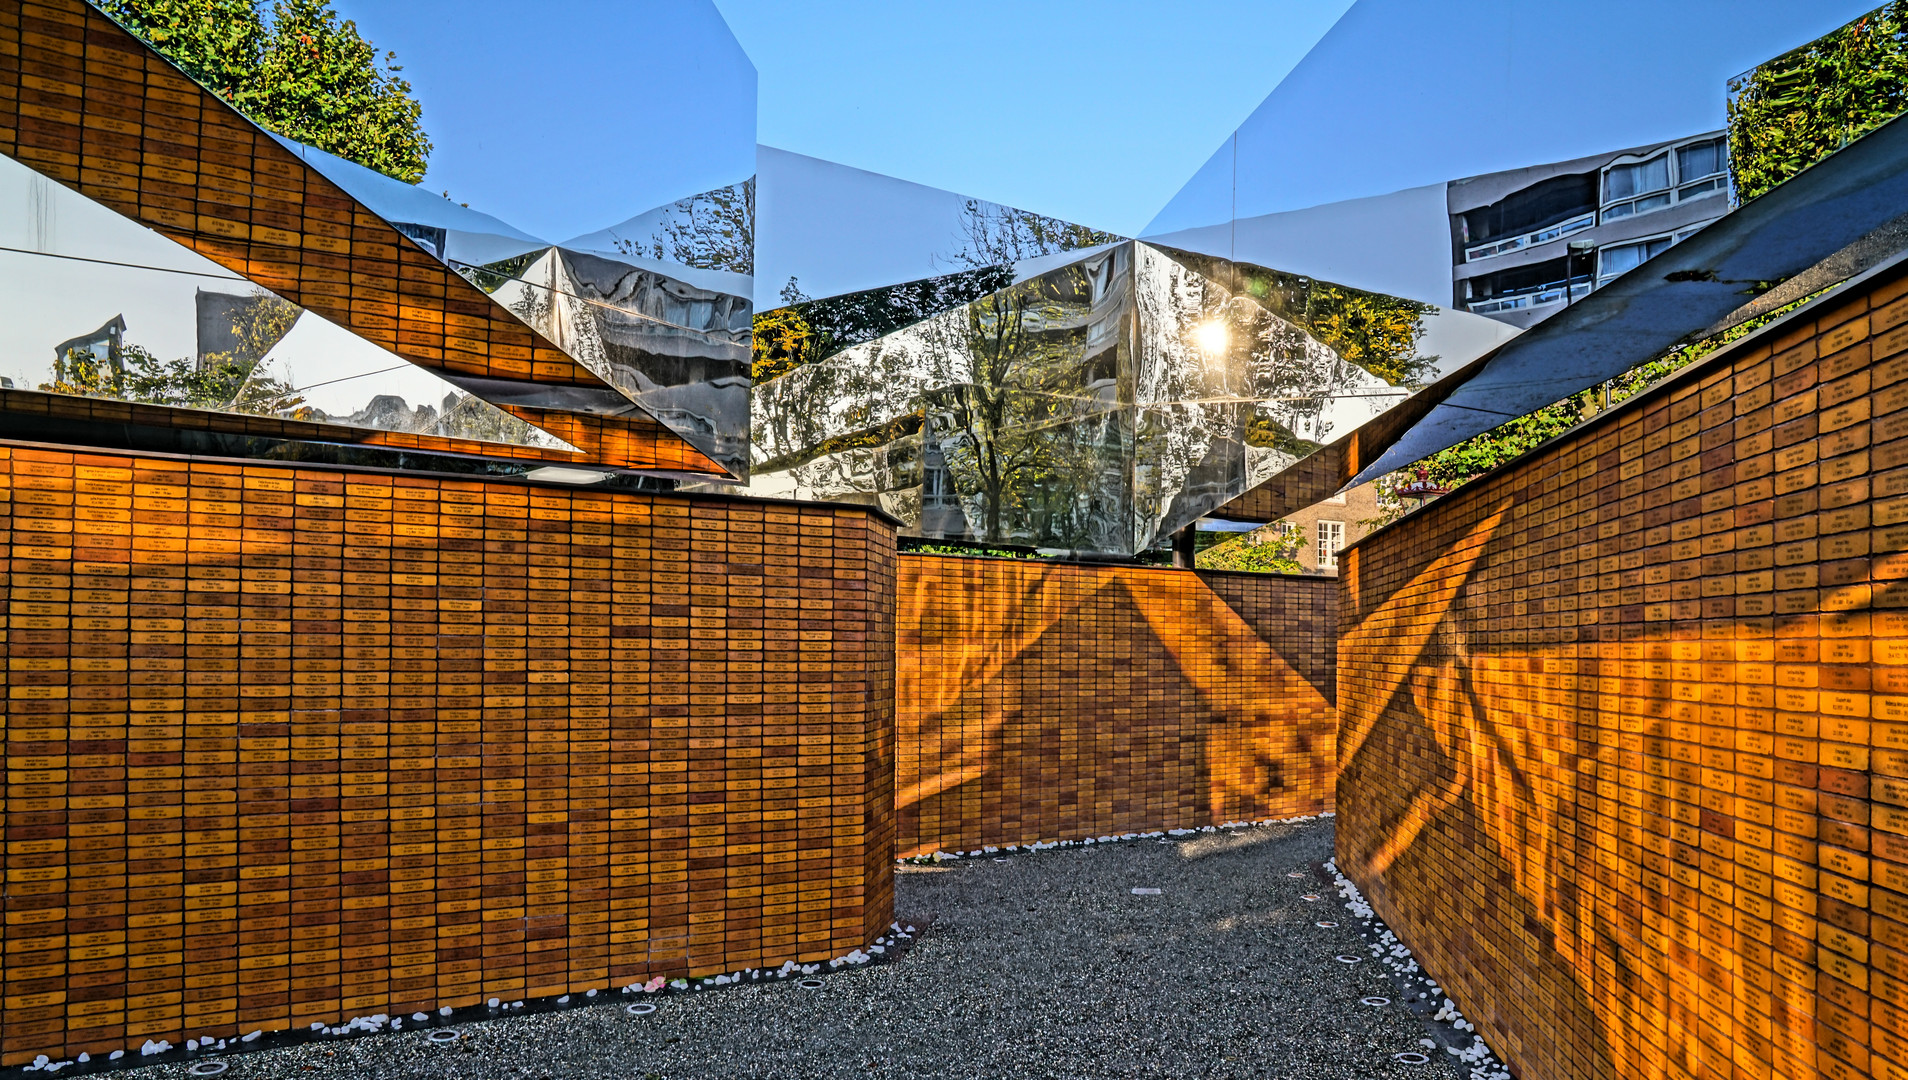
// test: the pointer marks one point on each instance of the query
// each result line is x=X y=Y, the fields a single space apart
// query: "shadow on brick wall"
x=1041 y=701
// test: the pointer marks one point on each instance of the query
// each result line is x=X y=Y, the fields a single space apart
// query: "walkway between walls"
x=1025 y=965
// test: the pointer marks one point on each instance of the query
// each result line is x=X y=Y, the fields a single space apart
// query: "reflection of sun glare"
x=1212 y=337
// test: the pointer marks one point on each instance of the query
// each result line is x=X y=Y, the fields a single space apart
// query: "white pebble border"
x=1048 y=845
x=1392 y=953
x=897 y=935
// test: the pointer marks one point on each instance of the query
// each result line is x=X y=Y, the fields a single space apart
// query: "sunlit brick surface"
x=286 y=745
x=1624 y=728
x=1042 y=701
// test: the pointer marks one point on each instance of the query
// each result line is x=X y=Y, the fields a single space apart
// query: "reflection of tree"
x=780 y=344
x=1378 y=333
x=1267 y=433
x=1797 y=109
x=257 y=326
x=808 y=330
x=711 y=231
x=992 y=239
x=1272 y=549
x=220 y=384
x=1016 y=421
x=996 y=235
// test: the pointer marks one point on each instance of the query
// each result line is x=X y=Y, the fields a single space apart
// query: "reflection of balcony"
x=1665 y=198
x=1535 y=296
x=1530 y=239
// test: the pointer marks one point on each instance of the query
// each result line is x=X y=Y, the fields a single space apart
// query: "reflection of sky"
x=566 y=115
x=1402 y=93
x=1398 y=244
x=841 y=230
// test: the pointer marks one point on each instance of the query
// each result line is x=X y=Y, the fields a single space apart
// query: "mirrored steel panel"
x=99 y=306
x=658 y=305
x=1096 y=401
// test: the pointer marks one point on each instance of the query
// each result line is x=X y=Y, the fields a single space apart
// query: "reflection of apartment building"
x=1527 y=241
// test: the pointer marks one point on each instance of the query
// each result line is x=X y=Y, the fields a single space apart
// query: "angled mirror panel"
x=1101 y=399
x=678 y=348
x=451 y=231
x=222 y=187
x=100 y=306
x=829 y=230
x=657 y=306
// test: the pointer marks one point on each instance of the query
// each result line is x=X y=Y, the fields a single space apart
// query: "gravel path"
x=1041 y=965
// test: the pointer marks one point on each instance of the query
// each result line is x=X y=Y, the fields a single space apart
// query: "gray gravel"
x=1041 y=965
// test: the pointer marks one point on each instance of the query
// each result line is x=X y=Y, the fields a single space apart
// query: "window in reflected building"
x=1331 y=537
x=1702 y=168
x=1692 y=171
x=1620 y=259
x=1636 y=188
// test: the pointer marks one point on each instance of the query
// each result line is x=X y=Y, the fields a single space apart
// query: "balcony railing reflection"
x=1531 y=239
x=1535 y=296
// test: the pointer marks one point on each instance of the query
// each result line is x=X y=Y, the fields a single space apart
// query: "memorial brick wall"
x=1624 y=726
x=291 y=744
x=1050 y=701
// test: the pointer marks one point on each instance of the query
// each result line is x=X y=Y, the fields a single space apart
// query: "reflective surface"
x=99 y=306
x=829 y=230
x=1096 y=399
x=657 y=305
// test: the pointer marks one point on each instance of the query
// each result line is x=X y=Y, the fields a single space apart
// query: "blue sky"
x=1093 y=111
x=1402 y=93
x=565 y=116
x=588 y=112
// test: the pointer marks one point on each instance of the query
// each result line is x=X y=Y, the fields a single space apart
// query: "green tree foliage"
x=1378 y=333
x=1270 y=550
x=220 y=383
x=995 y=235
x=781 y=343
x=1797 y=109
x=294 y=68
x=993 y=238
x=965 y=551
x=216 y=42
x=1022 y=439
x=807 y=330
x=1480 y=454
